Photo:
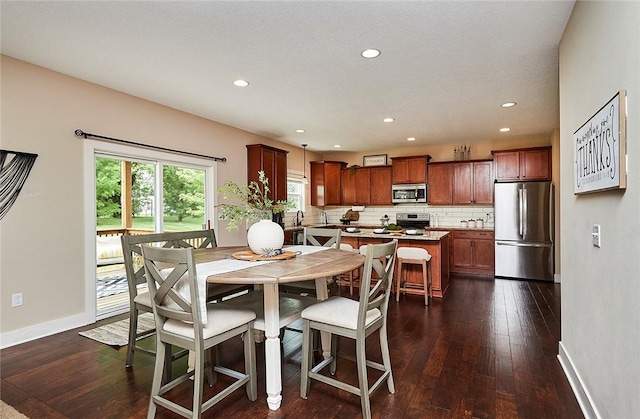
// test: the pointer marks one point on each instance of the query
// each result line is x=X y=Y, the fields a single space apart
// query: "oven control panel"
x=421 y=216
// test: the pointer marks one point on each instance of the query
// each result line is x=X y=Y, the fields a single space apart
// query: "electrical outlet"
x=596 y=236
x=16 y=300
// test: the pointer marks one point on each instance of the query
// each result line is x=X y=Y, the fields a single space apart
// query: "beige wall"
x=600 y=55
x=42 y=238
x=42 y=248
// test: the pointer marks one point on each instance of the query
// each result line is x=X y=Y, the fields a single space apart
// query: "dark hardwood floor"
x=487 y=350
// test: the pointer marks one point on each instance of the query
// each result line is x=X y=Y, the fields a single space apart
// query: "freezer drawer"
x=524 y=260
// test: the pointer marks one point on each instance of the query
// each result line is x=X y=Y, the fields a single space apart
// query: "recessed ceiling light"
x=388 y=120
x=337 y=146
x=241 y=83
x=505 y=129
x=411 y=139
x=370 y=53
x=300 y=130
x=508 y=104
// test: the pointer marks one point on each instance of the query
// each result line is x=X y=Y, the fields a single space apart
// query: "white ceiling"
x=445 y=67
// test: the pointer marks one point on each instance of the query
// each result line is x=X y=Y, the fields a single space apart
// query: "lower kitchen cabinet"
x=438 y=249
x=472 y=252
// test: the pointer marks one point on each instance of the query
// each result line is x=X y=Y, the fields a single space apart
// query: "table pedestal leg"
x=272 y=346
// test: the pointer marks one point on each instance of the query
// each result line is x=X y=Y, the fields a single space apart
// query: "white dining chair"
x=325 y=237
x=356 y=320
x=184 y=319
x=139 y=301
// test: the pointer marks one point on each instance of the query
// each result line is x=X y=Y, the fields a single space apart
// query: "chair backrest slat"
x=132 y=251
x=171 y=277
x=312 y=234
x=378 y=295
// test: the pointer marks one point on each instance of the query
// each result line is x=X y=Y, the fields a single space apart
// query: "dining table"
x=219 y=265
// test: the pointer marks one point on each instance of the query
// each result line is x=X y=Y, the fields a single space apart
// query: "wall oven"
x=409 y=193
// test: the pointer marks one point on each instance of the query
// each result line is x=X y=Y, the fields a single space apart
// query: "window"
x=295 y=193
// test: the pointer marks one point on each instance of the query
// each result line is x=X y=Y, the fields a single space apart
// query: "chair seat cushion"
x=339 y=311
x=219 y=320
x=143 y=298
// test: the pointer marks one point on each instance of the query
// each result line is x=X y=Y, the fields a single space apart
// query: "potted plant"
x=252 y=203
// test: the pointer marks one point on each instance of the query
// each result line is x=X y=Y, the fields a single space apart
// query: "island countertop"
x=428 y=235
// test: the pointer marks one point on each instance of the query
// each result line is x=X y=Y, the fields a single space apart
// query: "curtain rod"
x=85 y=135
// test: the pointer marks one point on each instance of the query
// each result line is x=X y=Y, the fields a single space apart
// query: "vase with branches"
x=252 y=203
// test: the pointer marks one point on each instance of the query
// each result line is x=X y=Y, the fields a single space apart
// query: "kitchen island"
x=434 y=242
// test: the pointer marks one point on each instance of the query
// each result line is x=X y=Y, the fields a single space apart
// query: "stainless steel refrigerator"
x=524 y=230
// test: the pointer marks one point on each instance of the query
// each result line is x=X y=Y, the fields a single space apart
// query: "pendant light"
x=304 y=165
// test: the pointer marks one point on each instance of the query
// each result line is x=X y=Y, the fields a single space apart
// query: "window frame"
x=299 y=180
x=93 y=148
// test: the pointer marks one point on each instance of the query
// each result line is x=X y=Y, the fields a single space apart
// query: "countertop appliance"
x=410 y=220
x=524 y=230
x=409 y=193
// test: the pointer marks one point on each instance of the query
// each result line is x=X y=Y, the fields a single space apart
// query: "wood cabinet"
x=355 y=187
x=439 y=251
x=460 y=183
x=380 y=185
x=326 y=182
x=348 y=187
x=273 y=162
x=440 y=187
x=412 y=169
x=472 y=252
x=472 y=183
x=522 y=164
x=366 y=186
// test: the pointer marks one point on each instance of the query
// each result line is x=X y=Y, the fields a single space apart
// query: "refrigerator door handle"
x=525 y=211
x=520 y=215
x=520 y=244
x=551 y=208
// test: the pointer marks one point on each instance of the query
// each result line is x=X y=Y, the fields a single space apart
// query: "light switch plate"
x=596 y=236
x=16 y=299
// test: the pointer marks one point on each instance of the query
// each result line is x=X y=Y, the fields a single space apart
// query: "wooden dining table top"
x=324 y=263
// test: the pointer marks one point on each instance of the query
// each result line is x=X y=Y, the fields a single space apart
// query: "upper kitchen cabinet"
x=326 y=182
x=366 y=186
x=472 y=183
x=380 y=185
x=522 y=164
x=412 y=169
x=273 y=162
x=355 y=186
x=440 y=188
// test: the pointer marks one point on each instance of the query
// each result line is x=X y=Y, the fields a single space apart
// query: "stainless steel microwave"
x=409 y=193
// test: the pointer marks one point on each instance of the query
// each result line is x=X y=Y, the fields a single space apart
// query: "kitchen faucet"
x=299 y=218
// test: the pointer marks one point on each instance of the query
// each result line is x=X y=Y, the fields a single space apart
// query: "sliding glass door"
x=183 y=198
x=136 y=195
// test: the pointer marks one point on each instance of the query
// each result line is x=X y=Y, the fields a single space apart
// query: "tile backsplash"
x=448 y=216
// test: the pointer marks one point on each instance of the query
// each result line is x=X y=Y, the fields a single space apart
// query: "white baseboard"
x=16 y=337
x=556 y=278
x=584 y=400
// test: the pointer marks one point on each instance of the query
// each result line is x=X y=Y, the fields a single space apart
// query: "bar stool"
x=414 y=256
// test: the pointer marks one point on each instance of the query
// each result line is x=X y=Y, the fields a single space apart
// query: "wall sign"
x=375 y=160
x=599 y=149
